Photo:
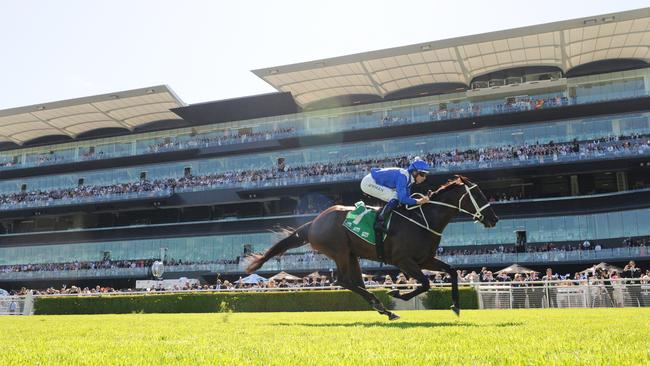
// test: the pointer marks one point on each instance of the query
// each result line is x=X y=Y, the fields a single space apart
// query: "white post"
x=510 y=295
x=547 y=297
x=585 y=295
x=28 y=308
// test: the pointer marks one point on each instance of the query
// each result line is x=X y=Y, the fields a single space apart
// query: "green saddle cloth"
x=361 y=222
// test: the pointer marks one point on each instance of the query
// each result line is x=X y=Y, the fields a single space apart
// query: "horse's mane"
x=457 y=180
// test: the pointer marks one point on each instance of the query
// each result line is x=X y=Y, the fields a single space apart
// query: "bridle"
x=477 y=215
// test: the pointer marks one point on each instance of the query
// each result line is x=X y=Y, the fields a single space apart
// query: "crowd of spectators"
x=45 y=159
x=81 y=192
x=308 y=258
x=106 y=264
x=225 y=138
x=295 y=258
x=8 y=162
x=454 y=159
x=540 y=153
x=548 y=247
x=594 y=277
x=93 y=155
x=77 y=265
x=437 y=112
x=519 y=104
x=65 y=290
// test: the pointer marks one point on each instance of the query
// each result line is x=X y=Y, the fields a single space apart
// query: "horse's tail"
x=294 y=240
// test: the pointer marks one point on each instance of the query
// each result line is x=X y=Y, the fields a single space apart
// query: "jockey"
x=393 y=185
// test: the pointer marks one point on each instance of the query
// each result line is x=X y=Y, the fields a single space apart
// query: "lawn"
x=435 y=337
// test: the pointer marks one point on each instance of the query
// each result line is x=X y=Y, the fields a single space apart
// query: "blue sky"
x=204 y=50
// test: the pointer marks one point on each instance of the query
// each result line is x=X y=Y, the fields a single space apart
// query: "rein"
x=427 y=227
x=477 y=215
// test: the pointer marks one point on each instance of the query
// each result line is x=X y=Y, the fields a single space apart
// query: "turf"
x=504 y=337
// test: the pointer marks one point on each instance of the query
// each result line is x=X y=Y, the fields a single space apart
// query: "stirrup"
x=380 y=226
x=380 y=249
x=381 y=230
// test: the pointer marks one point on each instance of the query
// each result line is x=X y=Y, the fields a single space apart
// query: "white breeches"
x=370 y=187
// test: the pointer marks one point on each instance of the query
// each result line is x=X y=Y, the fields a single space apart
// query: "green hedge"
x=206 y=302
x=440 y=298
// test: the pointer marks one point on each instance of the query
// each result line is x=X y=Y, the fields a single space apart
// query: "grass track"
x=505 y=337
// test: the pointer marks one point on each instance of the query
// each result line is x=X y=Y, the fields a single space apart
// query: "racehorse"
x=413 y=238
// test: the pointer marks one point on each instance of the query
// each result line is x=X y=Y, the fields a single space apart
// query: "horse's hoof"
x=393 y=316
x=455 y=310
x=395 y=294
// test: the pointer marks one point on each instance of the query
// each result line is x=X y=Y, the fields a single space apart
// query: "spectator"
x=401 y=279
x=388 y=281
x=488 y=277
x=645 y=279
x=518 y=292
x=552 y=292
x=633 y=273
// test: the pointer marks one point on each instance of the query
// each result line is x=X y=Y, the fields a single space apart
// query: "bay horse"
x=411 y=245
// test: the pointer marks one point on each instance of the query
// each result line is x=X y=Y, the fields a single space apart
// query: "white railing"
x=17 y=305
x=563 y=294
x=329 y=287
x=493 y=295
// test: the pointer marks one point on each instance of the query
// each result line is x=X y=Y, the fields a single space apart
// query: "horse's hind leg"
x=434 y=264
x=350 y=278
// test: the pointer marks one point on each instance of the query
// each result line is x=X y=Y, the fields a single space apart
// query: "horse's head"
x=468 y=198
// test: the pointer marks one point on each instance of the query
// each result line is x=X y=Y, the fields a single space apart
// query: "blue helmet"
x=419 y=165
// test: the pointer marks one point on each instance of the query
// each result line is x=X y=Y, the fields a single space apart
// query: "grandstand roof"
x=564 y=44
x=126 y=109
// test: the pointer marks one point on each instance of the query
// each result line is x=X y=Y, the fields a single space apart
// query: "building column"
x=621 y=181
x=575 y=187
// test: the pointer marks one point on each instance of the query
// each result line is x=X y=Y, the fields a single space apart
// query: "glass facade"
x=321 y=263
x=214 y=248
x=198 y=248
x=588 y=89
x=552 y=229
x=595 y=90
x=352 y=159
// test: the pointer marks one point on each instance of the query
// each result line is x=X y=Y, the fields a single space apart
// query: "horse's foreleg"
x=434 y=264
x=454 y=291
x=412 y=269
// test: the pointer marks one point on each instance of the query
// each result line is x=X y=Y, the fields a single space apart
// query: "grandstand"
x=552 y=121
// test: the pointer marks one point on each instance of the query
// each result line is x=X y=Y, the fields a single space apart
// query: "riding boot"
x=380 y=230
x=383 y=214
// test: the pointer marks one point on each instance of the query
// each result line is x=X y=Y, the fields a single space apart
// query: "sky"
x=204 y=50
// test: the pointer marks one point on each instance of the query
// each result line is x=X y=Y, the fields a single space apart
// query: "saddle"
x=361 y=221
